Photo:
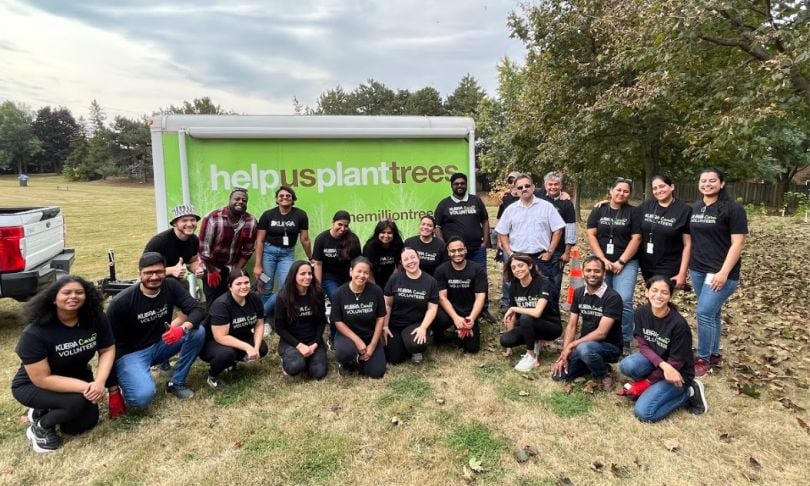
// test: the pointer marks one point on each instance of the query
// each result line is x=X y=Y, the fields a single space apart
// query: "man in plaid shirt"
x=227 y=238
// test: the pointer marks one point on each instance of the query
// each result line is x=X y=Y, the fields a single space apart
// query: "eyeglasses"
x=285 y=196
x=525 y=186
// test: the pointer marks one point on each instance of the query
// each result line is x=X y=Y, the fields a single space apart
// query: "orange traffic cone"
x=574 y=276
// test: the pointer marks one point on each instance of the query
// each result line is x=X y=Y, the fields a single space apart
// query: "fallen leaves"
x=672 y=445
x=803 y=424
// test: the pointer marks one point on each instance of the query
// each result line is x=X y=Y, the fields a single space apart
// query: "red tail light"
x=11 y=257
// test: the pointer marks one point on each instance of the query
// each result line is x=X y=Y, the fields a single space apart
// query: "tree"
x=131 y=147
x=335 y=102
x=199 y=106
x=466 y=98
x=375 y=98
x=92 y=156
x=18 y=143
x=426 y=102
x=56 y=129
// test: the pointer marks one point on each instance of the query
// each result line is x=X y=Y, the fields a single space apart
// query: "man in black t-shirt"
x=600 y=341
x=140 y=317
x=562 y=254
x=462 y=290
x=178 y=244
x=465 y=216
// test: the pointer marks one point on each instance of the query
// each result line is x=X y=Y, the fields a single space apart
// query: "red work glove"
x=173 y=335
x=464 y=332
x=116 y=405
x=214 y=279
x=635 y=389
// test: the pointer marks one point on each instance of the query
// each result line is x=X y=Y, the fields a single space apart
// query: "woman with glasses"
x=614 y=235
x=430 y=249
x=278 y=231
x=718 y=227
x=383 y=249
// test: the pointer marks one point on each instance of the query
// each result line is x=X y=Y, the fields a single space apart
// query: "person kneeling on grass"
x=600 y=341
x=67 y=326
x=663 y=369
x=358 y=311
x=300 y=321
x=235 y=328
x=533 y=314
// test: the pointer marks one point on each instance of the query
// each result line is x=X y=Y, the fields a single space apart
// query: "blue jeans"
x=625 y=284
x=551 y=270
x=709 y=305
x=661 y=398
x=590 y=357
x=479 y=255
x=276 y=262
x=133 y=373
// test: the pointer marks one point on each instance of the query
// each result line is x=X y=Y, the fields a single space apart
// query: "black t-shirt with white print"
x=68 y=350
x=277 y=225
x=327 y=251
x=462 y=219
x=616 y=226
x=528 y=296
x=592 y=308
x=669 y=337
x=431 y=255
x=359 y=312
x=711 y=236
x=664 y=227
x=309 y=326
x=383 y=261
x=411 y=298
x=461 y=285
x=225 y=311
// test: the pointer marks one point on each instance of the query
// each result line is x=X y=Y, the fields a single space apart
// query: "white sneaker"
x=527 y=363
x=417 y=357
x=267 y=329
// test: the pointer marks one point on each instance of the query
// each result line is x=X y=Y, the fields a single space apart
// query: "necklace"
x=356 y=294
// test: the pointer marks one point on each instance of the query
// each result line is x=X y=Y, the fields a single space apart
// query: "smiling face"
x=153 y=276
x=620 y=194
x=70 y=297
x=659 y=295
x=284 y=199
x=386 y=236
x=237 y=204
x=359 y=274
x=339 y=228
x=426 y=227
x=303 y=278
x=553 y=188
x=240 y=287
x=457 y=251
x=185 y=225
x=710 y=184
x=662 y=191
x=410 y=261
x=593 y=274
x=520 y=269
x=459 y=187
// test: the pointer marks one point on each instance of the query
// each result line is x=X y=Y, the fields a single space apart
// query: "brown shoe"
x=607 y=383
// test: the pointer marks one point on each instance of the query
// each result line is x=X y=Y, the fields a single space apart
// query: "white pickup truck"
x=32 y=250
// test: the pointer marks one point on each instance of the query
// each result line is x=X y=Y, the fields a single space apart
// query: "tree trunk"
x=652 y=165
x=577 y=198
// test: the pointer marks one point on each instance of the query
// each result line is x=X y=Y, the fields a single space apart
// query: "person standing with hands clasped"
x=67 y=327
x=718 y=227
x=665 y=241
x=663 y=370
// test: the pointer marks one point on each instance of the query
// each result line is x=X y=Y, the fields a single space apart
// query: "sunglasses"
x=622 y=179
x=524 y=186
x=285 y=196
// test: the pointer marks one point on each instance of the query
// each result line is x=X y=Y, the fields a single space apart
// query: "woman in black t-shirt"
x=663 y=368
x=431 y=250
x=411 y=301
x=235 y=328
x=358 y=311
x=300 y=320
x=67 y=327
x=718 y=227
x=533 y=314
x=382 y=249
x=334 y=249
x=277 y=232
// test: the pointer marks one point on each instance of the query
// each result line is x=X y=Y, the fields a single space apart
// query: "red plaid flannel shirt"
x=224 y=244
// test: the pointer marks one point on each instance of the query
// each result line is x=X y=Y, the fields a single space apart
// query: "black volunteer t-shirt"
x=668 y=336
x=327 y=251
x=277 y=225
x=173 y=248
x=711 y=236
x=307 y=329
x=383 y=261
x=225 y=311
x=461 y=285
x=664 y=227
x=592 y=308
x=431 y=255
x=411 y=298
x=359 y=312
x=527 y=297
x=617 y=226
x=68 y=350
x=462 y=219
x=138 y=321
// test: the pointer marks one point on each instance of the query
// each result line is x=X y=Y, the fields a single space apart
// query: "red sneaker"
x=702 y=367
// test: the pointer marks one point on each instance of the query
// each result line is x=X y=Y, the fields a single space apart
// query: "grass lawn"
x=430 y=423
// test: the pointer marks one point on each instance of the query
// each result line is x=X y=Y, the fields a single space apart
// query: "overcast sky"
x=136 y=56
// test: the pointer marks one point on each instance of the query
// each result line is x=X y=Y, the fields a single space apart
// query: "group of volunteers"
x=386 y=300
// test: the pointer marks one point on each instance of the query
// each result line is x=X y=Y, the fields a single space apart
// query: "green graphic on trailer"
x=399 y=179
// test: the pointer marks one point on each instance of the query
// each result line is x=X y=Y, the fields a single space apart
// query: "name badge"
x=649 y=248
x=609 y=249
x=285 y=240
x=709 y=279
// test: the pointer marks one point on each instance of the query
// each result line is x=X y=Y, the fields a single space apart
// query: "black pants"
x=221 y=357
x=401 y=346
x=443 y=322
x=211 y=293
x=72 y=412
x=293 y=362
x=346 y=353
x=528 y=330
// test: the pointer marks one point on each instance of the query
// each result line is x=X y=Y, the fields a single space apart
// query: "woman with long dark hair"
x=382 y=249
x=277 y=232
x=718 y=227
x=235 y=328
x=300 y=321
x=663 y=368
x=614 y=235
x=533 y=313
x=431 y=250
x=66 y=328
x=358 y=311
x=665 y=241
x=334 y=249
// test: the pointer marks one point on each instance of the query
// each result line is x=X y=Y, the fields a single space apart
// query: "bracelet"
x=622 y=262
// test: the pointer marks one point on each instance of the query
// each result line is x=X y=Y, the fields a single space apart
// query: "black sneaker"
x=42 y=439
x=180 y=391
x=216 y=382
x=697 y=404
x=34 y=414
x=165 y=370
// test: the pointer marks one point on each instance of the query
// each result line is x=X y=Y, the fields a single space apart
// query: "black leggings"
x=443 y=322
x=221 y=357
x=528 y=330
x=346 y=353
x=72 y=412
x=401 y=346
x=293 y=362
